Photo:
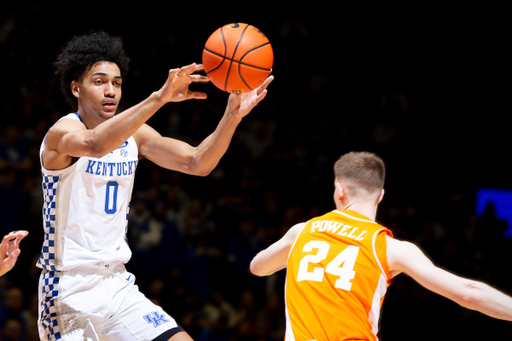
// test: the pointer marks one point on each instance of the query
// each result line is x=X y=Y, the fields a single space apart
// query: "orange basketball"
x=237 y=58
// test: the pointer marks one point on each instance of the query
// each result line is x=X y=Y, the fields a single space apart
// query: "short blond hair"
x=363 y=169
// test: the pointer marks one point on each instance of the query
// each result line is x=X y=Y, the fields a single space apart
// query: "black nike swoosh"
x=235 y=25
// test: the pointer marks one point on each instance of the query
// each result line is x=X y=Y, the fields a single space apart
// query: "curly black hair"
x=83 y=52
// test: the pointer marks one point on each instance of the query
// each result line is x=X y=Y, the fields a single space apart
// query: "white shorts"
x=98 y=303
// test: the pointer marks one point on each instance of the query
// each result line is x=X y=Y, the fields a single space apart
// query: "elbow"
x=97 y=153
x=201 y=162
x=202 y=172
x=253 y=267
x=96 y=148
x=201 y=169
x=256 y=269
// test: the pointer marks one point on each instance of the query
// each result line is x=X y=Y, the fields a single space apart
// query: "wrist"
x=157 y=99
x=233 y=116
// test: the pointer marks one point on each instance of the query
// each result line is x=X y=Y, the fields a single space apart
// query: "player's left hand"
x=241 y=104
x=10 y=250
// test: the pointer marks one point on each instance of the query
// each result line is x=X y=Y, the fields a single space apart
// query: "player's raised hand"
x=241 y=104
x=10 y=250
x=176 y=88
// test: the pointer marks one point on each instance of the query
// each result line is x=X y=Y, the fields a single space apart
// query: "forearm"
x=487 y=300
x=470 y=294
x=265 y=264
x=209 y=152
x=275 y=257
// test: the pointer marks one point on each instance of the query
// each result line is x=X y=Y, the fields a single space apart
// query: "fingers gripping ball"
x=237 y=58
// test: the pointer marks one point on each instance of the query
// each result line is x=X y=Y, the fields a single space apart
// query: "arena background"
x=427 y=88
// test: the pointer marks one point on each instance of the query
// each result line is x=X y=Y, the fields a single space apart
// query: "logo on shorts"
x=156 y=319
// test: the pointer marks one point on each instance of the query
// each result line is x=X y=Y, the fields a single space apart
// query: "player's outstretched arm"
x=275 y=257
x=70 y=138
x=10 y=250
x=408 y=258
x=201 y=160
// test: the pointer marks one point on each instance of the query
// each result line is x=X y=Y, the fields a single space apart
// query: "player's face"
x=99 y=91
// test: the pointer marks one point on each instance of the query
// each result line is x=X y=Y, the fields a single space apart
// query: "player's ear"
x=75 y=88
x=380 y=196
x=339 y=191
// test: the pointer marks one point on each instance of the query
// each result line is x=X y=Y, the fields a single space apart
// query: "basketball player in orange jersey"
x=339 y=265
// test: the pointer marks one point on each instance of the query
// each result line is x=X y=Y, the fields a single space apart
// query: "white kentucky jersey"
x=85 y=209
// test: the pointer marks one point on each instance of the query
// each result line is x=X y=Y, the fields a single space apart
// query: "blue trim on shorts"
x=49 y=292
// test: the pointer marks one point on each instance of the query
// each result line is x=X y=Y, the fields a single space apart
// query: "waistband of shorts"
x=98 y=267
x=106 y=266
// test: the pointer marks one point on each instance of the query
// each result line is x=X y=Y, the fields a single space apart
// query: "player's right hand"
x=241 y=104
x=176 y=88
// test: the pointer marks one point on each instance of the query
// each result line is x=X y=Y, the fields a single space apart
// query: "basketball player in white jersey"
x=88 y=159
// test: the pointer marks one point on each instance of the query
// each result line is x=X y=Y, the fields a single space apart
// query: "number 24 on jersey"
x=342 y=265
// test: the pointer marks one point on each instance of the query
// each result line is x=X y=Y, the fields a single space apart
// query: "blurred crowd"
x=193 y=238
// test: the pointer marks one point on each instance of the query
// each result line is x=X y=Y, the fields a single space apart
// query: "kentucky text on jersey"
x=108 y=168
x=341 y=229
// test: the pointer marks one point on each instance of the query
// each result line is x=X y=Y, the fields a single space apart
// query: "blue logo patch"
x=124 y=145
x=156 y=319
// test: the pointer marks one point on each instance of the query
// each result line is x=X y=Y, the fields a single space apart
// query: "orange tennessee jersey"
x=336 y=279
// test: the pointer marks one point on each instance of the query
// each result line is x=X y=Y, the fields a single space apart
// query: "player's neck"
x=90 y=121
x=365 y=208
